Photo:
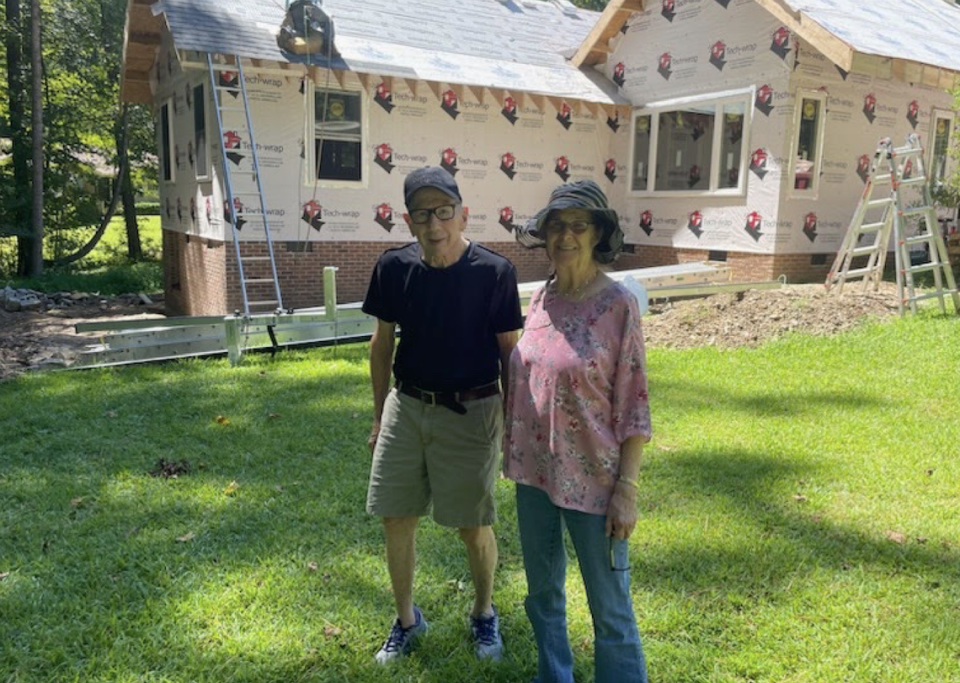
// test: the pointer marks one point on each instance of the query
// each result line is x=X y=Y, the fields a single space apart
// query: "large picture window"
x=338 y=135
x=693 y=146
x=167 y=162
x=807 y=150
x=941 y=134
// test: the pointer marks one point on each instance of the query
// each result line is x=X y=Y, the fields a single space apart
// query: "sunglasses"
x=557 y=227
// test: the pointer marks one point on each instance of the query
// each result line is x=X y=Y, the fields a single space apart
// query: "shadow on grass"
x=260 y=560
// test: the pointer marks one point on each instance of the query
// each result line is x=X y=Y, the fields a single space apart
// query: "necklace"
x=577 y=293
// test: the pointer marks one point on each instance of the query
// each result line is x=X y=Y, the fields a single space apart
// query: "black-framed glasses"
x=556 y=227
x=619 y=555
x=444 y=213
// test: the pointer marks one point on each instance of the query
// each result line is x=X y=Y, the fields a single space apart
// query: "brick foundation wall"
x=194 y=275
x=201 y=276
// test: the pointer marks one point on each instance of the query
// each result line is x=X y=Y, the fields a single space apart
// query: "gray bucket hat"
x=584 y=194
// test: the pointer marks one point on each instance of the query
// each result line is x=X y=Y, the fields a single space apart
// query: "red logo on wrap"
x=695 y=223
x=646 y=222
x=619 y=72
x=231 y=140
x=780 y=45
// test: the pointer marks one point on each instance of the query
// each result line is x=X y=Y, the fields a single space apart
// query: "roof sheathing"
x=485 y=43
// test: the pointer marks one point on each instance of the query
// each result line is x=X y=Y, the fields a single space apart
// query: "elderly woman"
x=577 y=421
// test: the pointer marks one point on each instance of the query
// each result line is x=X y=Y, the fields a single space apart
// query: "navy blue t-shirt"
x=448 y=317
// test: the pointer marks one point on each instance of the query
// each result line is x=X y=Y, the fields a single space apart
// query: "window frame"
x=812 y=192
x=937 y=114
x=744 y=96
x=201 y=102
x=310 y=138
x=166 y=110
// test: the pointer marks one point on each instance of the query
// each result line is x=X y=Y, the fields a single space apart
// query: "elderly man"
x=436 y=434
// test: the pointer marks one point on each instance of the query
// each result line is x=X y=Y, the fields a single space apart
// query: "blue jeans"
x=618 y=653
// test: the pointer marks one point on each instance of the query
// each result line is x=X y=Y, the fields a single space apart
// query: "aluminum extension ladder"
x=893 y=170
x=261 y=292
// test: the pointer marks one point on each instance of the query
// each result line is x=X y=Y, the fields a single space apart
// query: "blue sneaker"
x=401 y=640
x=486 y=636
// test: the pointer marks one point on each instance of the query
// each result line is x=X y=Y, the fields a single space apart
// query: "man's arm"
x=381 y=360
x=506 y=341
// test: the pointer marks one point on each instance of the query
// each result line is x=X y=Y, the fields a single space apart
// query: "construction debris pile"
x=25 y=300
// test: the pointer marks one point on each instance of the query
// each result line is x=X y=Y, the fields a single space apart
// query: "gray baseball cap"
x=430 y=176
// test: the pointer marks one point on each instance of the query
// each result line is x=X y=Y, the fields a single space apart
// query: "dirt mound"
x=753 y=317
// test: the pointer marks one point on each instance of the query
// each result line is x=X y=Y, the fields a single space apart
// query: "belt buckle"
x=433 y=397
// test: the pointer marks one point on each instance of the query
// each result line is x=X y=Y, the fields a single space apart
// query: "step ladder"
x=230 y=100
x=911 y=220
x=870 y=227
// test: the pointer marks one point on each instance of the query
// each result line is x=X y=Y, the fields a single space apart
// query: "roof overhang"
x=596 y=46
x=849 y=59
x=141 y=41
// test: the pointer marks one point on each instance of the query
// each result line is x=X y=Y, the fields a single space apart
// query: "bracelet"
x=629 y=482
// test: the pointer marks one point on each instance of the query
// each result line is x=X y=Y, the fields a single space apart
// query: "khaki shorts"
x=430 y=454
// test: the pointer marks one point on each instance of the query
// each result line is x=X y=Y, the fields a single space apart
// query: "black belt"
x=450 y=399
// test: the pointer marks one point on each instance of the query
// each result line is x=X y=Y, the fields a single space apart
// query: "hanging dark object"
x=307 y=30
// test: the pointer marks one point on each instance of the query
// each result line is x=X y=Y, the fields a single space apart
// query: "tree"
x=35 y=264
x=16 y=213
x=597 y=5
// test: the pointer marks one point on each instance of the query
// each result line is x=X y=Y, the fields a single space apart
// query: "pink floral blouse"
x=578 y=390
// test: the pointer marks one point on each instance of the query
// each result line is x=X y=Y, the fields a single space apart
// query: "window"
x=166 y=144
x=941 y=134
x=338 y=134
x=807 y=150
x=693 y=146
x=200 y=131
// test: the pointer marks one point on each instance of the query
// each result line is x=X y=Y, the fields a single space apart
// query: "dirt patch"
x=30 y=341
x=44 y=340
x=756 y=316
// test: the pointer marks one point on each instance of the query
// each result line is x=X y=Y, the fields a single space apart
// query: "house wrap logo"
x=913 y=113
x=610 y=170
x=718 y=54
x=810 y=226
x=230 y=80
x=693 y=176
x=509 y=110
x=448 y=160
x=613 y=123
x=229 y=216
x=506 y=219
x=870 y=107
x=508 y=164
x=723 y=3
x=907 y=171
x=209 y=211
x=695 y=223
x=780 y=44
x=384 y=97
x=758 y=162
x=179 y=209
x=668 y=10
x=168 y=208
x=565 y=115
x=665 y=67
x=619 y=74
x=312 y=214
x=383 y=216
x=646 y=222
x=863 y=167
x=450 y=103
x=231 y=143
x=753 y=225
x=562 y=168
x=383 y=157
x=193 y=209
x=764 y=100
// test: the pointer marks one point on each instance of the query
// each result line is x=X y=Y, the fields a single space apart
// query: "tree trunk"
x=134 y=250
x=20 y=209
x=35 y=265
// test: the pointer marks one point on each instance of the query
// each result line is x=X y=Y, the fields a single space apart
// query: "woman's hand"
x=622 y=511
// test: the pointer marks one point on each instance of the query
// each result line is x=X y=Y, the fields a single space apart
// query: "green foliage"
x=106 y=269
x=597 y=5
x=797 y=523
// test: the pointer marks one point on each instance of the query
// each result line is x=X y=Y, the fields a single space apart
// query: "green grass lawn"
x=105 y=270
x=767 y=549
